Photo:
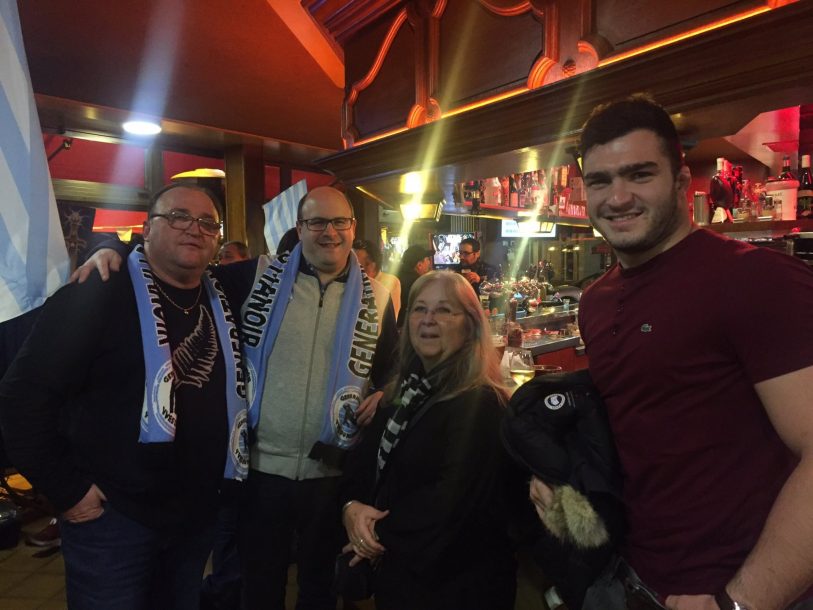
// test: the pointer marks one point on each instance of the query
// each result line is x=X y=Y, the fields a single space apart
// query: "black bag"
x=353 y=583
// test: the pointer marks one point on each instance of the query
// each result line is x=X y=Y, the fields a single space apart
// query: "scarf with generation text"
x=158 y=415
x=351 y=361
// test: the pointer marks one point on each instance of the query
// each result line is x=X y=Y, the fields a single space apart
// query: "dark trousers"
x=466 y=585
x=223 y=587
x=274 y=511
x=115 y=562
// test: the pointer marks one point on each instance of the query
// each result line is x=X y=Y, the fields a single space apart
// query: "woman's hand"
x=367 y=408
x=541 y=495
x=104 y=260
x=359 y=522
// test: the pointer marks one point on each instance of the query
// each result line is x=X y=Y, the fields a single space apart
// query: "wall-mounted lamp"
x=141 y=128
x=415 y=210
x=535 y=225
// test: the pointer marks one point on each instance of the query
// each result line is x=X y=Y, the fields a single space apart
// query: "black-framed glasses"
x=464 y=253
x=340 y=223
x=182 y=221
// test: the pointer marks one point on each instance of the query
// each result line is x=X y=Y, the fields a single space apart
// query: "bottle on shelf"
x=506 y=190
x=783 y=190
x=513 y=331
x=804 y=199
x=736 y=185
x=493 y=192
x=721 y=193
x=564 y=188
x=475 y=190
x=787 y=173
x=513 y=194
x=535 y=193
x=749 y=205
x=522 y=190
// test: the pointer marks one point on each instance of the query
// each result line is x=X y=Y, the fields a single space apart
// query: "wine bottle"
x=513 y=194
x=787 y=173
x=721 y=194
x=564 y=188
x=535 y=193
x=522 y=190
x=736 y=185
x=804 y=199
x=476 y=188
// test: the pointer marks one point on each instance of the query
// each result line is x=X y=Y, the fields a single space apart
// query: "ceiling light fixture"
x=141 y=128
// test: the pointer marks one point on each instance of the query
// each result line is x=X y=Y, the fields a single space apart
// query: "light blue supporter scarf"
x=356 y=336
x=158 y=416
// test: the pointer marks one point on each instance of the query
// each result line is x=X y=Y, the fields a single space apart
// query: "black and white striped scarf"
x=415 y=391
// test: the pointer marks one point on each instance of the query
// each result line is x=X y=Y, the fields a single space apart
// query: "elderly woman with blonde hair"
x=424 y=498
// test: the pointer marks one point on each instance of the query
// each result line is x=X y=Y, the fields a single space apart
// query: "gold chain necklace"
x=185 y=310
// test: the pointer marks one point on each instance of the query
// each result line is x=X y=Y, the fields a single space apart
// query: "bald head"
x=323 y=193
x=326 y=249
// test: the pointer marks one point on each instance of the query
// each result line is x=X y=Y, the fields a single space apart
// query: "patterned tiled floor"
x=31 y=577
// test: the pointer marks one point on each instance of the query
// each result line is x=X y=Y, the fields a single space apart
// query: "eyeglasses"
x=182 y=221
x=465 y=253
x=441 y=314
x=340 y=223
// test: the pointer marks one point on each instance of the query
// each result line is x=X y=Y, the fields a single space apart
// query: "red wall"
x=92 y=161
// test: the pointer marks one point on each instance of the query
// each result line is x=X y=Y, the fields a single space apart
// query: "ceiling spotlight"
x=142 y=128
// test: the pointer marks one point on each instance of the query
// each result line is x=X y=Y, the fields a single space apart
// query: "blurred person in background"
x=369 y=256
x=288 y=241
x=473 y=268
x=232 y=252
x=415 y=262
x=424 y=493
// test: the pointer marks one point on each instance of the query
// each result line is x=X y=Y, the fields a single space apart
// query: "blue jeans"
x=115 y=562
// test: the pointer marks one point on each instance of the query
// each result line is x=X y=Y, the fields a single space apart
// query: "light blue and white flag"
x=33 y=258
x=280 y=213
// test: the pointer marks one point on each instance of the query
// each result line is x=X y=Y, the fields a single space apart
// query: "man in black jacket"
x=120 y=408
x=472 y=268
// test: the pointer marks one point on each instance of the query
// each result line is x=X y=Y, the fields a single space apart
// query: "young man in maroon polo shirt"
x=706 y=384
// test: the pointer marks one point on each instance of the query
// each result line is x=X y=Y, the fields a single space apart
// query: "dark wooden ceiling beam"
x=343 y=19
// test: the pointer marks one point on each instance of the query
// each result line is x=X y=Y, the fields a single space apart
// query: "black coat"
x=557 y=429
x=446 y=534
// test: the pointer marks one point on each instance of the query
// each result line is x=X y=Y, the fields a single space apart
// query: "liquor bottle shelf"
x=768 y=228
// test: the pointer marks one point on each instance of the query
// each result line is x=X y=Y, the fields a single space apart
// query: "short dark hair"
x=470 y=241
x=373 y=251
x=241 y=248
x=184 y=185
x=639 y=111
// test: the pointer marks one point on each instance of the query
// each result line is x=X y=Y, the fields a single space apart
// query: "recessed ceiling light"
x=142 y=128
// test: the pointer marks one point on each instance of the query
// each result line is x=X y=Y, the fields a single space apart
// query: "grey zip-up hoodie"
x=293 y=401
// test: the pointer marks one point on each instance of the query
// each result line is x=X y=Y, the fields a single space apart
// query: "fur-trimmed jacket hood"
x=557 y=429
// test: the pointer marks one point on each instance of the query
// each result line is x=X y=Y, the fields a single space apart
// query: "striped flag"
x=33 y=259
x=280 y=213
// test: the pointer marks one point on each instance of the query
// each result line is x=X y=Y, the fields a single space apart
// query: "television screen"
x=446 y=247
